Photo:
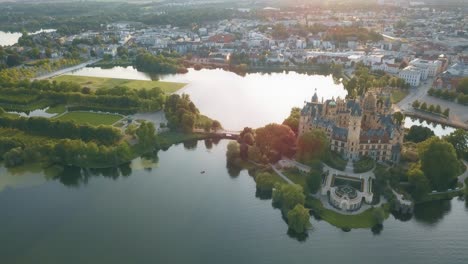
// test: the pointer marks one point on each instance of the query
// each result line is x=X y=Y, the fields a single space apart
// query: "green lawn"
x=94 y=119
x=298 y=178
x=58 y=109
x=100 y=82
x=398 y=95
x=363 y=220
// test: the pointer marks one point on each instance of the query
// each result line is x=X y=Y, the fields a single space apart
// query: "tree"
x=312 y=145
x=13 y=60
x=314 y=181
x=419 y=134
x=459 y=140
x=216 y=125
x=437 y=109
x=288 y=195
x=431 y=108
x=424 y=106
x=293 y=120
x=446 y=112
x=419 y=183
x=146 y=134
x=398 y=117
x=14 y=157
x=462 y=86
x=233 y=150
x=438 y=162
x=379 y=215
x=298 y=219
x=416 y=104
x=265 y=182
x=275 y=141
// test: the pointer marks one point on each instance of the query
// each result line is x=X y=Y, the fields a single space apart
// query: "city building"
x=411 y=75
x=356 y=127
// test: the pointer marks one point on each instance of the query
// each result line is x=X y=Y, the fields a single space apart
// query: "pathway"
x=281 y=174
x=461 y=178
x=66 y=70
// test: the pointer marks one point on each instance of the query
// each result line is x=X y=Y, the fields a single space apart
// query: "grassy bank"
x=91 y=118
x=364 y=220
x=101 y=82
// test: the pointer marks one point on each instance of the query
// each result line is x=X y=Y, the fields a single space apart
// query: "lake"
x=254 y=100
x=236 y=101
x=11 y=38
x=157 y=211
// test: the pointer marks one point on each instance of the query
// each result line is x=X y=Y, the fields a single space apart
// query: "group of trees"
x=274 y=141
x=418 y=134
x=181 y=112
x=436 y=109
x=292 y=121
x=437 y=160
x=364 y=79
x=119 y=99
x=148 y=62
x=312 y=146
x=41 y=126
x=290 y=198
x=343 y=34
x=460 y=95
x=74 y=150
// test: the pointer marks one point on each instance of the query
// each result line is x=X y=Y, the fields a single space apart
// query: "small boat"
x=202 y=172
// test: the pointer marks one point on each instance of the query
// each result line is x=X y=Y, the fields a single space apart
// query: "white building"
x=432 y=67
x=411 y=75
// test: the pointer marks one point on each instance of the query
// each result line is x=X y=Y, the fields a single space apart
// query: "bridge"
x=228 y=134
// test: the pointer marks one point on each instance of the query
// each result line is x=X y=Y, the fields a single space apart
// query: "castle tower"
x=369 y=107
x=315 y=97
x=354 y=132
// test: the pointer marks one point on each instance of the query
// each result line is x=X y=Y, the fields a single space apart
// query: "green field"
x=58 y=109
x=100 y=82
x=94 y=119
x=298 y=178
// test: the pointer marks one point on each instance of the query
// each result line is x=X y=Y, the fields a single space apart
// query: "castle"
x=356 y=127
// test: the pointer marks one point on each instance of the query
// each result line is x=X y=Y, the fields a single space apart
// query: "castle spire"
x=315 y=97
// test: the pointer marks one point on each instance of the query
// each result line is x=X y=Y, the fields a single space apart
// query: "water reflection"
x=377 y=229
x=72 y=176
x=208 y=143
x=432 y=213
x=439 y=130
x=191 y=144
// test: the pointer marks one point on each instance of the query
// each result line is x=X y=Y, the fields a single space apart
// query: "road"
x=458 y=113
x=66 y=70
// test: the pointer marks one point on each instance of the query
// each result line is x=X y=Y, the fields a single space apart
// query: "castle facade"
x=356 y=127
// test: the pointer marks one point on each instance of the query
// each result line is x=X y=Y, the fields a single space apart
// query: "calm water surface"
x=253 y=100
x=157 y=211
x=11 y=38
